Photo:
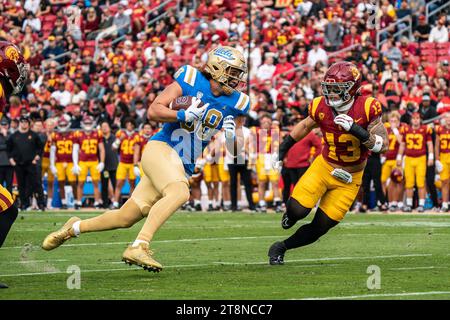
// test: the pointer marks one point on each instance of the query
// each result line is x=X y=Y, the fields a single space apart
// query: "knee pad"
x=178 y=191
x=295 y=210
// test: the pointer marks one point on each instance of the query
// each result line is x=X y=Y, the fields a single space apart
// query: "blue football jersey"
x=189 y=139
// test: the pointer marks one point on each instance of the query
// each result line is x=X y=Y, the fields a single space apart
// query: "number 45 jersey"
x=341 y=147
x=189 y=139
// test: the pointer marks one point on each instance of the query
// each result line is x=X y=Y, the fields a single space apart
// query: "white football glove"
x=382 y=160
x=76 y=169
x=200 y=163
x=53 y=170
x=439 y=166
x=208 y=159
x=229 y=127
x=342 y=175
x=194 y=112
x=136 y=171
x=276 y=163
x=344 y=121
x=100 y=167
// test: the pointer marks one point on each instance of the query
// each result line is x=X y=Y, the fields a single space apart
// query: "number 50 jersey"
x=341 y=147
x=189 y=139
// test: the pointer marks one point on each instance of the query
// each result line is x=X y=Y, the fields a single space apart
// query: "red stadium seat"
x=445 y=45
x=427 y=45
x=428 y=52
x=48 y=18
x=443 y=52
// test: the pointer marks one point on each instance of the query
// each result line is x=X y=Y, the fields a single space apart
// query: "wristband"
x=399 y=157
x=359 y=132
x=181 y=115
x=378 y=144
x=431 y=156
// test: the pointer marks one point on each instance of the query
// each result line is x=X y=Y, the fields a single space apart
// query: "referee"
x=24 y=150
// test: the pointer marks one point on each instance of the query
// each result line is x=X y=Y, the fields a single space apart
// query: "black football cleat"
x=420 y=209
x=287 y=223
x=3 y=286
x=276 y=253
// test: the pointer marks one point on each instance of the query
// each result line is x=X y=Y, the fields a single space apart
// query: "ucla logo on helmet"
x=224 y=53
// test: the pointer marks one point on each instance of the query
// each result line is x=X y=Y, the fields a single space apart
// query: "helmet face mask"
x=63 y=123
x=87 y=123
x=337 y=93
x=342 y=82
x=227 y=66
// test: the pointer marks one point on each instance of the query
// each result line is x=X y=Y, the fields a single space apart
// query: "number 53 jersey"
x=341 y=147
x=189 y=139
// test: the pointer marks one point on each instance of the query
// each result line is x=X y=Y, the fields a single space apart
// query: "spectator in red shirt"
x=352 y=38
x=283 y=65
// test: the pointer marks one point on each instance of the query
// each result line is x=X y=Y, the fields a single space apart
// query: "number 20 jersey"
x=341 y=147
x=190 y=139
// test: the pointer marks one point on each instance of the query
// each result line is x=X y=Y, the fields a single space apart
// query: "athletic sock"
x=197 y=202
x=421 y=202
x=262 y=203
x=76 y=228
x=400 y=204
x=49 y=202
x=64 y=201
x=137 y=242
x=409 y=202
x=393 y=203
x=445 y=205
x=227 y=203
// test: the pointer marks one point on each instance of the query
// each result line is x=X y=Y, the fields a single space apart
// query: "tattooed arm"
x=375 y=138
x=376 y=128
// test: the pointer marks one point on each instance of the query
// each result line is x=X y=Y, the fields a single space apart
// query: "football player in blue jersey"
x=169 y=157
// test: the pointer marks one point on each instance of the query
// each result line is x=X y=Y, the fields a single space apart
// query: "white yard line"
x=156 y=241
x=235 y=263
x=418 y=268
x=36 y=261
x=375 y=295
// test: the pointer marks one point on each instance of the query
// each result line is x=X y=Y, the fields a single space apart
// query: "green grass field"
x=224 y=256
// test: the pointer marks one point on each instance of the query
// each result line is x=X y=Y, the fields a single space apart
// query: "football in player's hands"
x=182 y=103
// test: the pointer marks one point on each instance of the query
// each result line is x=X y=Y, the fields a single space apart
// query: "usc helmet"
x=13 y=69
x=341 y=83
x=87 y=123
x=396 y=175
x=227 y=66
x=64 y=123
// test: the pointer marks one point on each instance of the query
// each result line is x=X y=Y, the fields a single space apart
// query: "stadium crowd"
x=97 y=65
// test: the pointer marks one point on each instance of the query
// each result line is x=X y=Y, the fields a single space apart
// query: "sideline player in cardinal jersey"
x=416 y=141
x=13 y=74
x=61 y=163
x=170 y=155
x=265 y=143
x=88 y=148
x=389 y=161
x=351 y=126
x=144 y=135
x=50 y=125
x=127 y=142
x=442 y=150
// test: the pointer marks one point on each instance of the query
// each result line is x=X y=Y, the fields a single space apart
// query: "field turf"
x=224 y=256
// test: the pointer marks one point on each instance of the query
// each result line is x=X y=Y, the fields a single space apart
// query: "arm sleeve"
x=185 y=77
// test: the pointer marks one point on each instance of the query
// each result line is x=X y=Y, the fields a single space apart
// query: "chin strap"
x=345 y=106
